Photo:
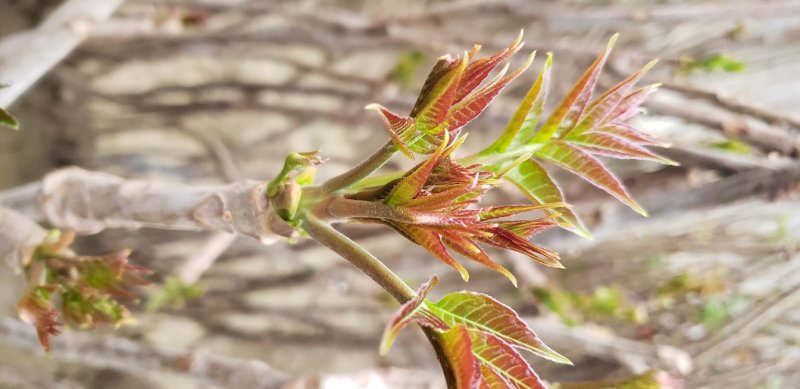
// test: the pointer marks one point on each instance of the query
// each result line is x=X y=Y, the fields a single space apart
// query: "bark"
x=89 y=202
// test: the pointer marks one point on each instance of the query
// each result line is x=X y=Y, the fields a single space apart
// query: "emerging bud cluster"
x=87 y=289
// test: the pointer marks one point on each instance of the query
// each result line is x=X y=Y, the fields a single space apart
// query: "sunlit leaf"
x=400 y=128
x=435 y=100
x=604 y=105
x=458 y=349
x=408 y=313
x=410 y=185
x=476 y=102
x=589 y=168
x=536 y=184
x=508 y=240
x=479 y=69
x=481 y=312
x=525 y=119
x=430 y=241
x=615 y=147
x=630 y=105
x=503 y=360
x=626 y=131
x=499 y=211
x=564 y=118
x=469 y=249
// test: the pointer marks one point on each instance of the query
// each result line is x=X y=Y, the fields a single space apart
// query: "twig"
x=48 y=44
x=734 y=105
x=126 y=355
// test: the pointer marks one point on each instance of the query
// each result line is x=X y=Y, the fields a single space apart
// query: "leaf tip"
x=649 y=65
x=612 y=41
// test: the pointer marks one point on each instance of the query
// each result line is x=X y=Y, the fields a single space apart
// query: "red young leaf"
x=432 y=242
x=589 y=168
x=528 y=228
x=626 y=131
x=400 y=128
x=469 y=249
x=481 y=312
x=508 y=240
x=440 y=96
x=458 y=349
x=473 y=104
x=492 y=379
x=500 y=358
x=566 y=115
x=36 y=309
x=478 y=70
x=410 y=185
x=441 y=199
x=615 y=147
x=408 y=313
x=630 y=105
x=604 y=105
x=499 y=211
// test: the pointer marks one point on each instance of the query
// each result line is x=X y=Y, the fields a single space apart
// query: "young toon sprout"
x=437 y=205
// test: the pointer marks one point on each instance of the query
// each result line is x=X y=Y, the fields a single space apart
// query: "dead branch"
x=130 y=356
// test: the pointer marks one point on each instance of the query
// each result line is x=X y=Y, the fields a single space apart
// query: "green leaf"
x=7 y=120
x=498 y=358
x=525 y=119
x=714 y=63
x=481 y=312
x=589 y=168
x=408 y=313
x=536 y=184
x=458 y=349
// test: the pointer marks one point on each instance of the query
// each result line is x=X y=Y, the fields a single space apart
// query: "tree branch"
x=89 y=202
x=26 y=57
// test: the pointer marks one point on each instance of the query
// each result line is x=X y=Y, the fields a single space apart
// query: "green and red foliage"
x=87 y=289
x=437 y=204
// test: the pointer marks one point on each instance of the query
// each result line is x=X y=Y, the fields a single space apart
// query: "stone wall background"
x=152 y=96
